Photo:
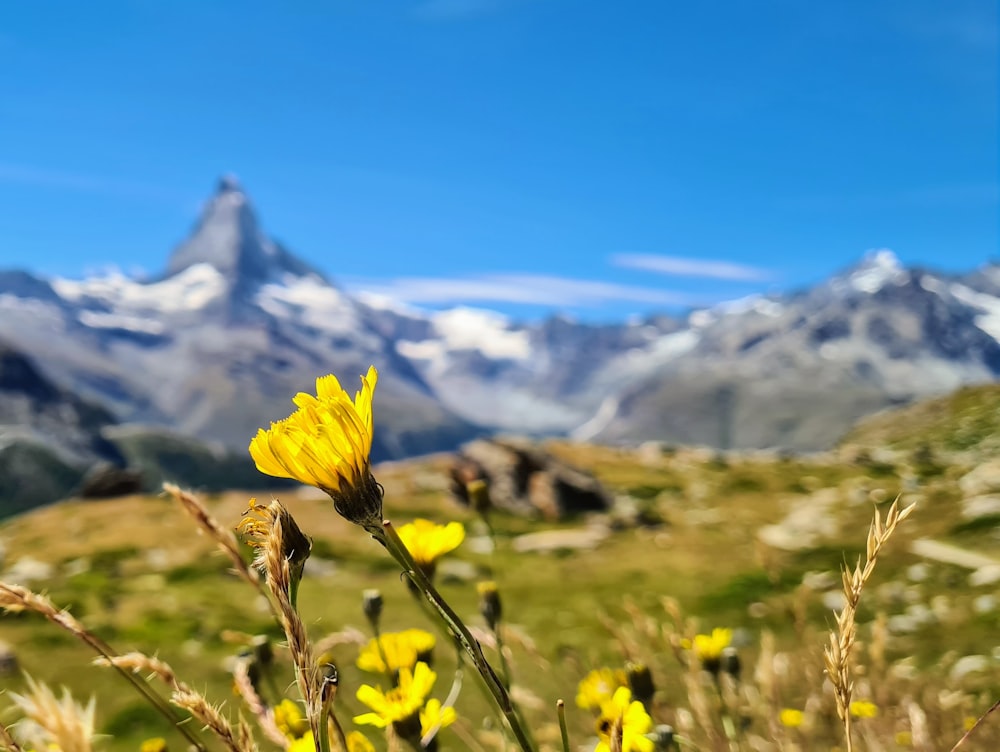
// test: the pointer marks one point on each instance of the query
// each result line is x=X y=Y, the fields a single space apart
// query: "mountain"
x=215 y=345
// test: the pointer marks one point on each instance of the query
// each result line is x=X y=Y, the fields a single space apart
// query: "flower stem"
x=563 y=731
x=400 y=553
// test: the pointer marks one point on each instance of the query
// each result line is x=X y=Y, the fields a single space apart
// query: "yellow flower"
x=358 y=742
x=598 y=687
x=156 y=744
x=304 y=743
x=400 y=703
x=863 y=709
x=327 y=443
x=427 y=541
x=622 y=716
x=791 y=718
x=433 y=716
x=400 y=649
x=290 y=720
x=903 y=739
x=708 y=648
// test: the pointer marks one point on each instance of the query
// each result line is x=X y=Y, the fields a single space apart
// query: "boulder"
x=524 y=479
x=105 y=481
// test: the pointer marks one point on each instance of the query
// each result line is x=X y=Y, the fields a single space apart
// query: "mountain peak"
x=229 y=238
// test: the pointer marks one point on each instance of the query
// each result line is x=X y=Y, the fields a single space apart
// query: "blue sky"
x=596 y=158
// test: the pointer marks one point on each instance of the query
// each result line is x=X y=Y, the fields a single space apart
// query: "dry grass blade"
x=214 y=721
x=837 y=655
x=7 y=741
x=139 y=662
x=265 y=717
x=976 y=725
x=53 y=722
x=15 y=598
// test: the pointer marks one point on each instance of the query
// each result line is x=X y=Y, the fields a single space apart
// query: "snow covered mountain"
x=215 y=346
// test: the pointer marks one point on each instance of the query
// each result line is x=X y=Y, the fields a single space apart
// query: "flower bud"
x=663 y=737
x=489 y=603
x=479 y=495
x=640 y=681
x=731 y=662
x=371 y=604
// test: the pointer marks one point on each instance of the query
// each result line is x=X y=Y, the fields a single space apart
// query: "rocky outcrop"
x=521 y=478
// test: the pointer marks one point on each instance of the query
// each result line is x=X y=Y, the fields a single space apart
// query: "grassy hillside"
x=753 y=542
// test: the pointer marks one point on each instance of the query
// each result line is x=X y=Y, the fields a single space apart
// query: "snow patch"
x=311 y=301
x=486 y=331
x=190 y=290
x=99 y=320
x=989 y=320
x=601 y=420
x=879 y=268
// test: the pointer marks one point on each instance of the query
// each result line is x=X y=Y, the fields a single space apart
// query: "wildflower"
x=863 y=709
x=427 y=541
x=358 y=742
x=327 y=443
x=434 y=717
x=903 y=739
x=290 y=720
x=708 y=648
x=791 y=718
x=489 y=603
x=626 y=721
x=399 y=649
x=155 y=744
x=598 y=687
x=399 y=704
x=304 y=743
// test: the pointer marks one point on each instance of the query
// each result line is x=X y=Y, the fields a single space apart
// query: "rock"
x=809 y=521
x=918 y=572
x=968 y=664
x=106 y=481
x=26 y=570
x=523 y=479
x=980 y=506
x=982 y=479
x=573 y=539
x=817 y=581
x=985 y=575
x=984 y=604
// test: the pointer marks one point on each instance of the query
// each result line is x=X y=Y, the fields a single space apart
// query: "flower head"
x=399 y=704
x=327 y=443
x=863 y=709
x=791 y=718
x=358 y=742
x=433 y=717
x=708 y=648
x=598 y=687
x=258 y=526
x=427 y=541
x=153 y=744
x=624 y=719
x=290 y=720
x=304 y=743
x=399 y=649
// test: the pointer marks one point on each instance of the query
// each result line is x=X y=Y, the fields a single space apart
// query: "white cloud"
x=525 y=289
x=678 y=266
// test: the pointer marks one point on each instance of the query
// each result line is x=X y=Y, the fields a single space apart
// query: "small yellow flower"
x=623 y=718
x=304 y=743
x=708 y=648
x=358 y=742
x=327 y=443
x=903 y=739
x=400 y=649
x=433 y=716
x=290 y=720
x=427 y=541
x=400 y=703
x=791 y=718
x=598 y=687
x=156 y=744
x=863 y=709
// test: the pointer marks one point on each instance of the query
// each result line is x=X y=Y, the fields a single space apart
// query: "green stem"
x=563 y=731
x=399 y=552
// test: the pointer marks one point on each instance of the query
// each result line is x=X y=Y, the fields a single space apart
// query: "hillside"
x=751 y=541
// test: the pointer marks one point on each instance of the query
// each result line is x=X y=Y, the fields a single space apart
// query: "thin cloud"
x=677 y=266
x=524 y=289
x=41 y=177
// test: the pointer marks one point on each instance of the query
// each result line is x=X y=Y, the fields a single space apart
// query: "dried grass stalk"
x=837 y=655
x=214 y=721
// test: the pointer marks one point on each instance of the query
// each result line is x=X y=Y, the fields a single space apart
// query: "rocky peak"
x=228 y=237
